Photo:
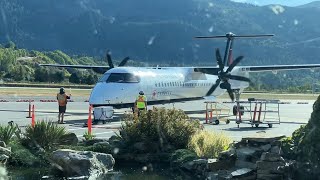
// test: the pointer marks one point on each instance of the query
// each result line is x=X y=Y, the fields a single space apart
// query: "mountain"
x=161 y=32
x=315 y=4
x=280 y=2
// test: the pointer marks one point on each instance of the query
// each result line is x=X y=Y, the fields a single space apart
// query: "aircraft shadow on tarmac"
x=247 y=129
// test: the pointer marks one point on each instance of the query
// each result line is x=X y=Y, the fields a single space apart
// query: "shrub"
x=159 y=128
x=44 y=134
x=88 y=136
x=181 y=156
x=7 y=132
x=21 y=156
x=209 y=144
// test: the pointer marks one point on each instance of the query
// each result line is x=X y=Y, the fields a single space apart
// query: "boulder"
x=82 y=163
x=245 y=164
x=249 y=154
x=93 y=141
x=270 y=166
x=215 y=164
x=269 y=177
x=69 y=139
x=271 y=157
x=266 y=147
x=263 y=138
x=243 y=173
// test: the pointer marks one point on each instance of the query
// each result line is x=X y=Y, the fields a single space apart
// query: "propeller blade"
x=234 y=63
x=213 y=87
x=219 y=59
x=109 y=60
x=234 y=36
x=231 y=95
x=124 y=61
x=238 y=78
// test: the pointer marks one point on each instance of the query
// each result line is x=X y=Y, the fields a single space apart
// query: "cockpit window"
x=122 y=78
x=104 y=77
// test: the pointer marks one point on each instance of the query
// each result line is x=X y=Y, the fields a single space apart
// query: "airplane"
x=119 y=86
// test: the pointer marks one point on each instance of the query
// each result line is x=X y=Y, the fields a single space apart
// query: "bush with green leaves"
x=45 y=134
x=160 y=129
x=88 y=136
x=21 y=156
x=7 y=133
x=209 y=144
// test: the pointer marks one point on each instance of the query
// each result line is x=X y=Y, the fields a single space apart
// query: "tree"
x=41 y=75
x=58 y=76
x=11 y=45
x=90 y=79
x=74 y=78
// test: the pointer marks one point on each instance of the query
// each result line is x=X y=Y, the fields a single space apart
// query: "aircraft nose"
x=97 y=95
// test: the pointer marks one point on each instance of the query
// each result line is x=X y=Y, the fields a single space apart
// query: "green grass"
x=23 y=91
x=36 y=91
x=209 y=144
x=285 y=96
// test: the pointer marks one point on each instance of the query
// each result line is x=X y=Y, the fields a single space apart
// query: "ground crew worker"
x=62 y=101
x=141 y=102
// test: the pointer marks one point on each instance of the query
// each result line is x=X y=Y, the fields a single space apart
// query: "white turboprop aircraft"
x=119 y=86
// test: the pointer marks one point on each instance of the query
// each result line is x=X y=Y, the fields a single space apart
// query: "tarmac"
x=293 y=114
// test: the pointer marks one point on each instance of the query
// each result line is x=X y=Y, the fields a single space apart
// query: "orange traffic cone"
x=89 y=120
x=33 y=121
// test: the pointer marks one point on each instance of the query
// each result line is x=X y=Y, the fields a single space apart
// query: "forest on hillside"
x=21 y=65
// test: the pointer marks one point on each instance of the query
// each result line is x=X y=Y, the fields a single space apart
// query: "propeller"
x=224 y=76
x=122 y=63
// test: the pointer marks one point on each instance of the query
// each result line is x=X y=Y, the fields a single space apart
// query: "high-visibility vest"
x=62 y=99
x=141 y=101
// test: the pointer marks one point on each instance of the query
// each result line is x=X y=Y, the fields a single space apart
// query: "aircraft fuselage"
x=119 y=87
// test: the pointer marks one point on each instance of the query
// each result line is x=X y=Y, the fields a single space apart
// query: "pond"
x=135 y=171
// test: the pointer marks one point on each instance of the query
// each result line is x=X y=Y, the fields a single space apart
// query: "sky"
x=282 y=2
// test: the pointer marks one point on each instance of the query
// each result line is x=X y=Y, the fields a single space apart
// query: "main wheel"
x=235 y=110
x=257 y=125
x=216 y=122
x=227 y=121
x=270 y=125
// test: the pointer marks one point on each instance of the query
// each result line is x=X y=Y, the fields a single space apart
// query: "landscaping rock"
x=266 y=147
x=272 y=157
x=69 y=139
x=215 y=164
x=82 y=163
x=245 y=164
x=242 y=173
x=263 y=138
x=269 y=177
x=93 y=141
x=276 y=149
x=249 y=154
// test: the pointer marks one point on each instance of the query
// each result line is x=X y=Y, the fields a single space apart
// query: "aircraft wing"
x=98 y=69
x=278 y=67
x=274 y=68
